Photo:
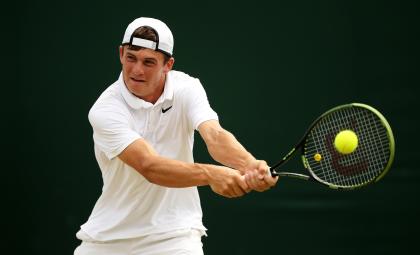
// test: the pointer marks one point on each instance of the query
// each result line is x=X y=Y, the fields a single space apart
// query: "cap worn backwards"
x=164 y=42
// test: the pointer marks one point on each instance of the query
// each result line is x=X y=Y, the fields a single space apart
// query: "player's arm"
x=114 y=135
x=226 y=149
x=174 y=173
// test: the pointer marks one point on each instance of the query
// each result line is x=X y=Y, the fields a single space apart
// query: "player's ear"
x=169 y=64
x=121 y=50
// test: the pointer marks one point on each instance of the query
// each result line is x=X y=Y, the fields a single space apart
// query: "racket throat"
x=293 y=175
x=285 y=158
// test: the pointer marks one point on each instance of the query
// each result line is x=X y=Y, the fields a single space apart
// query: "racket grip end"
x=272 y=172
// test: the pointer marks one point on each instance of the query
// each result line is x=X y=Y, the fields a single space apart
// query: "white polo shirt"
x=130 y=206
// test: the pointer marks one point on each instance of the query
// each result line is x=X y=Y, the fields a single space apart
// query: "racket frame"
x=300 y=147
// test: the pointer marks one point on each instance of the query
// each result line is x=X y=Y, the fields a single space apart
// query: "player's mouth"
x=138 y=80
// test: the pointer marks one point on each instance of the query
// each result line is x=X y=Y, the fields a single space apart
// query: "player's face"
x=144 y=72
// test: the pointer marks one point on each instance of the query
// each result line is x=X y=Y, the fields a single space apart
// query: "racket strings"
x=364 y=175
x=363 y=165
x=368 y=153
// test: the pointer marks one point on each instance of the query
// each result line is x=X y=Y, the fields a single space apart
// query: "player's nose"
x=138 y=69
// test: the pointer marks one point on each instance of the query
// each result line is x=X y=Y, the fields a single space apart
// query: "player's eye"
x=148 y=62
x=131 y=58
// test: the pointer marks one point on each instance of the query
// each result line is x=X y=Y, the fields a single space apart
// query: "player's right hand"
x=258 y=176
x=227 y=182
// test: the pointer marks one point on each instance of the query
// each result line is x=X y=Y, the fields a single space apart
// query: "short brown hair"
x=147 y=33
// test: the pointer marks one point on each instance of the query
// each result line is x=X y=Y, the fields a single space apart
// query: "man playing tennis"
x=143 y=129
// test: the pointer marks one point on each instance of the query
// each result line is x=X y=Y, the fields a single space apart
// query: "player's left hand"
x=257 y=176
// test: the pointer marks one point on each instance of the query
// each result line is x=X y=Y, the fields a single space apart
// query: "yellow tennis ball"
x=317 y=157
x=346 y=141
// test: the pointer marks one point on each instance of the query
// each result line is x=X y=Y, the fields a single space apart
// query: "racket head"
x=368 y=163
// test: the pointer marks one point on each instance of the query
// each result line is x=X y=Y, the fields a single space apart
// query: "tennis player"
x=143 y=130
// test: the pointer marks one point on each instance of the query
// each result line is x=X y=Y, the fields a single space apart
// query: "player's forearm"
x=225 y=149
x=164 y=171
x=173 y=173
x=178 y=174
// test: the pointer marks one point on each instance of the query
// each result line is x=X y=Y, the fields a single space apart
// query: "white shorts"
x=178 y=242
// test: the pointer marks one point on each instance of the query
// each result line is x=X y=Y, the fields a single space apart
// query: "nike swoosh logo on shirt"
x=167 y=109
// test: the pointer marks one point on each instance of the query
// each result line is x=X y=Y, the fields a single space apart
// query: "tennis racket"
x=368 y=163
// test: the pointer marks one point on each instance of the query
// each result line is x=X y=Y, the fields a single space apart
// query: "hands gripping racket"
x=347 y=147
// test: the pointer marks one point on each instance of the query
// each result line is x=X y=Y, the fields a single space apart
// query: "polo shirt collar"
x=137 y=103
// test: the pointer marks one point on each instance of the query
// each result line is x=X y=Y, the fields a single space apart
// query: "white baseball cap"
x=164 y=42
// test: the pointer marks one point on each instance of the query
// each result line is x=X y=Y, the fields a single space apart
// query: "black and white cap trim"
x=165 y=40
x=144 y=43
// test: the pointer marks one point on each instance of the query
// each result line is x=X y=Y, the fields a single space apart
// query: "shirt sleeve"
x=112 y=132
x=198 y=108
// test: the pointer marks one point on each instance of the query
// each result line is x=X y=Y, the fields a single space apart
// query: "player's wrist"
x=248 y=164
x=211 y=173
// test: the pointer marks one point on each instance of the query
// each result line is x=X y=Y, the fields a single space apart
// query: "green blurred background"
x=268 y=68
